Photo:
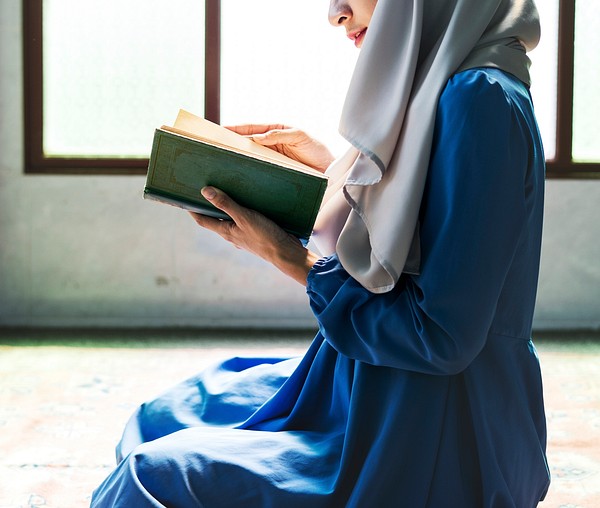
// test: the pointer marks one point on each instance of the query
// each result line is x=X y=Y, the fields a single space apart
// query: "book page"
x=212 y=133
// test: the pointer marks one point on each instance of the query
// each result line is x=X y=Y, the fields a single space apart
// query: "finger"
x=203 y=220
x=223 y=202
x=278 y=137
x=211 y=223
x=251 y=128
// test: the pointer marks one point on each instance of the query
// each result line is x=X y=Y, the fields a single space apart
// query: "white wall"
x=88 y=251
x=569 y=289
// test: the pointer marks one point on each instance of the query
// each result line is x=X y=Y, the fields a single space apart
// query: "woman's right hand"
x=289 y=141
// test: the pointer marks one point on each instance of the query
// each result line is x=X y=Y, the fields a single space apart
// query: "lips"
x=357 y=36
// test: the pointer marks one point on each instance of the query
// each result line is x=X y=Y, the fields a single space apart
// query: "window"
x=100 y=76
x=565 y=88
x=93 y=68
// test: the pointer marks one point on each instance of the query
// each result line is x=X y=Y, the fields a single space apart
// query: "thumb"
x=222 y=201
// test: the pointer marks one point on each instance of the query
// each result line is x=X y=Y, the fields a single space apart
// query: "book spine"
x=165 y=197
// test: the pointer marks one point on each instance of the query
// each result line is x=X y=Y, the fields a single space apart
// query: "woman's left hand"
x=253 y=232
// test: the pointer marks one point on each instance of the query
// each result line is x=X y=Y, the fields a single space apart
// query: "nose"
x=339 y=12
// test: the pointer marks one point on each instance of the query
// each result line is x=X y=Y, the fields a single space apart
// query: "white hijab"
x=412 y=47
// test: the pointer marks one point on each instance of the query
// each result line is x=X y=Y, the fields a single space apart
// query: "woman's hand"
x=289 y=141
x=253 y=232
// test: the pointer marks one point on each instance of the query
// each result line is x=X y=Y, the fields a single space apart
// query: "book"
x=195 y=152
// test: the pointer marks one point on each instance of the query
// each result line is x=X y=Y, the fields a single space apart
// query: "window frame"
x=35 y=160
x=561 y=166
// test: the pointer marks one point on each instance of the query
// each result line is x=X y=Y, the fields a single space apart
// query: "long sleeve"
x=473 y=217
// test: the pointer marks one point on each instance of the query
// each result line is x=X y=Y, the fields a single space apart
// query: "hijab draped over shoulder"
x=411 y=49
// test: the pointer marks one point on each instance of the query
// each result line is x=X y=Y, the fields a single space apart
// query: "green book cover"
x=181 y=164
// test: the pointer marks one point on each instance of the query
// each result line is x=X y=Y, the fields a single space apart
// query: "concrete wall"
x=88 y=251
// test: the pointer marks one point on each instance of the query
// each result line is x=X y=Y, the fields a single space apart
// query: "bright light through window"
x=109 y=79
x=116 y=69
x=544 y=75
x=586 y=96
x=284 y=63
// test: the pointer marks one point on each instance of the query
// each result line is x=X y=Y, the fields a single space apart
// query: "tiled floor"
x=64 y=400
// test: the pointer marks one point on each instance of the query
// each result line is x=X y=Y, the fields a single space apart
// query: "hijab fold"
x=411 y=49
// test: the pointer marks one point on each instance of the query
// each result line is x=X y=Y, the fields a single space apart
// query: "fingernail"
x=208 y=192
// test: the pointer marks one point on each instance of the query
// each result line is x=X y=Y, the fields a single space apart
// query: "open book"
x=195 y=152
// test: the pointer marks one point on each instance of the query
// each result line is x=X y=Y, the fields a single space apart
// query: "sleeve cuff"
x=324 y=280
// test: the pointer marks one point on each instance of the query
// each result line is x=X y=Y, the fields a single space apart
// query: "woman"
x=422 y=387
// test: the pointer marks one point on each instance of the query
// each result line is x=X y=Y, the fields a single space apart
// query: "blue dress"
x=427 y=396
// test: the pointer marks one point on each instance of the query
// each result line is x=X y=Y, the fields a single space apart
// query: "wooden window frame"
x=35 y=160
x=561 y=166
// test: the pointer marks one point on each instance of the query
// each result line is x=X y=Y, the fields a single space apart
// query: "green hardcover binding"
x=180 y=166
